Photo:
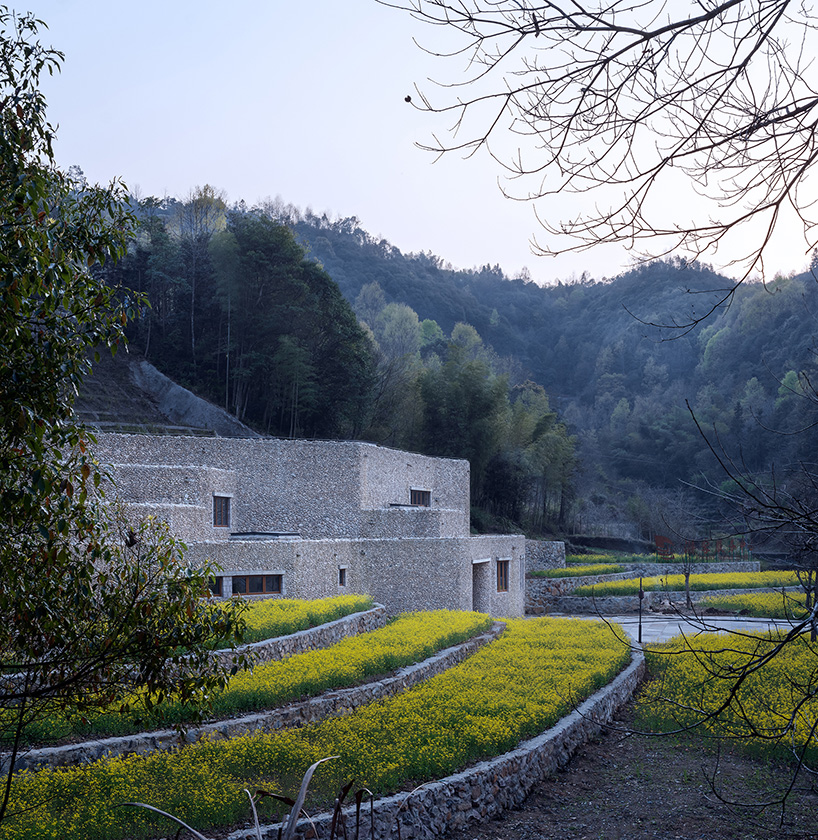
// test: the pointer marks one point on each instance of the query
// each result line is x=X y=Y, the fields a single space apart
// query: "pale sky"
x=299 y=99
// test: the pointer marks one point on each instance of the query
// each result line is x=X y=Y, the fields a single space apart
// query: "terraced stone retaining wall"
x=623 y=604
x=649 y=569
x=311 y=710
x=313 y=638
x=485 y=790
x=542 y=554
x=540 y=593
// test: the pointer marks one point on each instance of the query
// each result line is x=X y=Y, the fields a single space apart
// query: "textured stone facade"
x=321 y=518
x=543 y=554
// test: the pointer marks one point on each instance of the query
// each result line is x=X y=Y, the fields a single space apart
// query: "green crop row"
x=408 y=639
x=579 y=571
x=676 y=583
x=511 y=689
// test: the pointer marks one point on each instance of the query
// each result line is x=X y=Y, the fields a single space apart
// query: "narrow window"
x=215 y=586
x=342 y=576
x=221 y=511
x=421 y=498
x=502 y=575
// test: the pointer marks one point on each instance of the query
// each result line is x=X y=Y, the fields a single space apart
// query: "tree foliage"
x=92 y=607
x=240 y=315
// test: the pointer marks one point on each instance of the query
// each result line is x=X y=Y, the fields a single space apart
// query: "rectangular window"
x=421 y=498
x=215 y=586
x=502 y=575
x=221 y=511
x=342 y=576
x=257 y=584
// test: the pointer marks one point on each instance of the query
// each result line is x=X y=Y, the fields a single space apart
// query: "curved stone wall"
x=314 y=638
x=338 y=702
x=486 y=789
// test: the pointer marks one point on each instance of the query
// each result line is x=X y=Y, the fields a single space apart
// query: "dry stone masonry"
x=311 y=710
x=312 y=519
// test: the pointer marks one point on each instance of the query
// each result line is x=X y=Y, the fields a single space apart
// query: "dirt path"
x=631 y=787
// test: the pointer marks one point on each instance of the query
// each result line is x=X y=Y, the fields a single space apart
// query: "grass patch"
x=509 y=690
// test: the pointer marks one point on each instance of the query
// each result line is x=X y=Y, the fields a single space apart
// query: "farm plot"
x=698 y=582
x=270 y=618
x=408 y=639
x=784 y=605
x=774 y=708
x=511 y=689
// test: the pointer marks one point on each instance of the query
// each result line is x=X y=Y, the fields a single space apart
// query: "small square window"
x=502 y=575
x=421 y=498
x=272 y=583
x=221 y=511
x=342 y=576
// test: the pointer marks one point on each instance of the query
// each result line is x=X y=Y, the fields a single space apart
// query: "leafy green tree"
x=92 y=607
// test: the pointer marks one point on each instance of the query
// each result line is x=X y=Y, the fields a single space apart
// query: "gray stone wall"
x=485 y=790
x=484 y=579
x=403 y=574
x=343 y=499
x=649 y=569
x=311 y=710
x=315 y=488
x=544 y=554
x=413 y=522
x=387 y=476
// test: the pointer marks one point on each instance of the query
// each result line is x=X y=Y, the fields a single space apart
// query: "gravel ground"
x=632 y=787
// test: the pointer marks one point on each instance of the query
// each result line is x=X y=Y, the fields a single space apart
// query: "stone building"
x=310 y=519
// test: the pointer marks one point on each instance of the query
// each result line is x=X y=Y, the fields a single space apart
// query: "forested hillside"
x=625 y=361
x=574 y=403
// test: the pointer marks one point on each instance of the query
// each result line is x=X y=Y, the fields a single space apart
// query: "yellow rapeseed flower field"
x=272 y=617
x=409 y=638
x=698 y=582
x=513 y=688
x=775 y=707
x=789 y=604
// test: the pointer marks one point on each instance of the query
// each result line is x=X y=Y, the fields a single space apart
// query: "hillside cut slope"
x=126 y=393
